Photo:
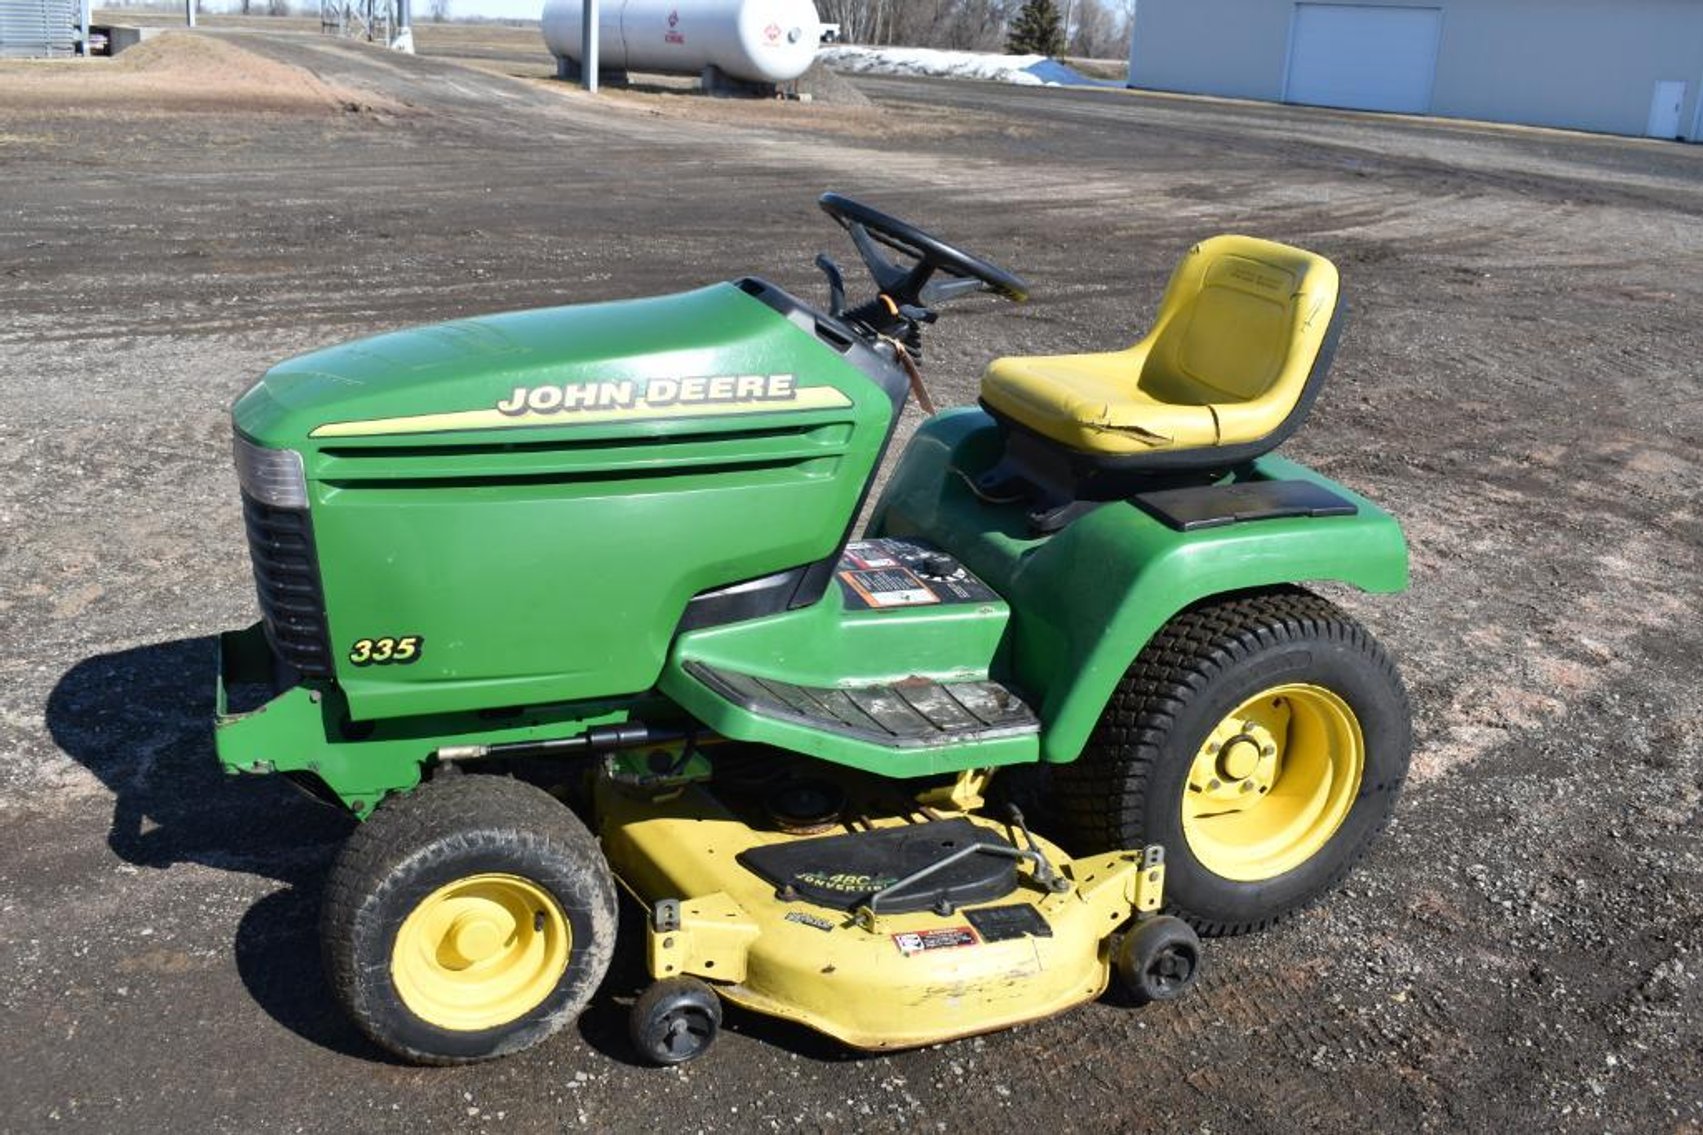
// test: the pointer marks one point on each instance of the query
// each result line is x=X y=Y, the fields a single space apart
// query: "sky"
x=498 y=9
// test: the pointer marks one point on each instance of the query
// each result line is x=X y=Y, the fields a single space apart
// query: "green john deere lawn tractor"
x=568 y=602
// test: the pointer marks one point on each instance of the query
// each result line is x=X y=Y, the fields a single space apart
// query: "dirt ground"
x=1520 y=384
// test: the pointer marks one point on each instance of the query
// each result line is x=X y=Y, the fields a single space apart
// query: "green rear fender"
x=1085 y=601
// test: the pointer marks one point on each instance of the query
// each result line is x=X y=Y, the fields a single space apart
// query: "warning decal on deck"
x=1005 y=923
x=945 y=938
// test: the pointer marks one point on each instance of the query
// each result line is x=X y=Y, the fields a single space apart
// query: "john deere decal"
x=587 y=403
x=580 y=396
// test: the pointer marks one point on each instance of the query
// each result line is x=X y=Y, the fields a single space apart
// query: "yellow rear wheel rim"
x=480 y=952
x=1272 y=782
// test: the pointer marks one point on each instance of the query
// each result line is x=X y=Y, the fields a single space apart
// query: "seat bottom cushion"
x=1091 y=403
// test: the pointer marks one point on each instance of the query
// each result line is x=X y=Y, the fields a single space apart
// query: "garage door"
x=1363 y=57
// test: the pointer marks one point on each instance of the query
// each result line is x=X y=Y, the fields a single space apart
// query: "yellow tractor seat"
x=1242 y=341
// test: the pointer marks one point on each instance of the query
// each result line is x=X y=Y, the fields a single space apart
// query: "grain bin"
x=42 y=27
x=759 y=41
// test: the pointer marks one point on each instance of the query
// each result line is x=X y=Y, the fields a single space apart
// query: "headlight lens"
x=270 y=476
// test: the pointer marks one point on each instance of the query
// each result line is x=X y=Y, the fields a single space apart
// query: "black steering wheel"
x=916 y=286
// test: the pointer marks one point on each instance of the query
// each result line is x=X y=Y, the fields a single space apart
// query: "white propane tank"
x=760 y=41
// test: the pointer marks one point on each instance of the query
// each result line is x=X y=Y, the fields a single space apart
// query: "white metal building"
x=1616 y=66
x=42 y=27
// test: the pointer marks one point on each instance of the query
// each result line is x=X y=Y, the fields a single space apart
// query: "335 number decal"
x=386 y=651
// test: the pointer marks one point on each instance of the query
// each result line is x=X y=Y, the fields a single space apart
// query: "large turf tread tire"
x=1125 y=790
x=444 y=830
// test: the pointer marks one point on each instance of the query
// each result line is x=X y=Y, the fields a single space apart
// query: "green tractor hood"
x=518 y=509
x=456 y=377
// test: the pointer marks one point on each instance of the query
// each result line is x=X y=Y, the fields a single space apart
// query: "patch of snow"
x=937 y=64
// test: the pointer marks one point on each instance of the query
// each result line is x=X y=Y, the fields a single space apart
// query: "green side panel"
x=548 y=556
x=1085 y=601
x=303 y=730
x=828 y=645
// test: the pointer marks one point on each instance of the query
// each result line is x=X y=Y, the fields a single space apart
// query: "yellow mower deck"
x=873 y=982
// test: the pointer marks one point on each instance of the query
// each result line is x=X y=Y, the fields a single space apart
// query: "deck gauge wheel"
x=1159 y=959
x=675 y=1020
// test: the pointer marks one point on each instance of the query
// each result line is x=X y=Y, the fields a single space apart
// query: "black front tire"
x=451 y=830
x=1128 y=787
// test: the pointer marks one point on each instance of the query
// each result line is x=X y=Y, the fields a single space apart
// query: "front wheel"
x=471 y=918
x=1262 y=740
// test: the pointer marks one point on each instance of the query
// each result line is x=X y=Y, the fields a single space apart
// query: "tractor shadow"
x=141 y=721
x=604 y=1025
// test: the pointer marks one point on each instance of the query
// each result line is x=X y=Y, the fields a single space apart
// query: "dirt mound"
x=823 y=85
x=179 y=72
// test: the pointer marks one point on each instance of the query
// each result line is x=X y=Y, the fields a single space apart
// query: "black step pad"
x=904 y=715
x=843 y=871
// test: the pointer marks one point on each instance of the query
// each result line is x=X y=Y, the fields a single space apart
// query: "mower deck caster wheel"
x=675 y=1020
x=1159 y=959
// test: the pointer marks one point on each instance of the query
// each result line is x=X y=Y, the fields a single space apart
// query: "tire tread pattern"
x=444 y=819
x=1101 y=796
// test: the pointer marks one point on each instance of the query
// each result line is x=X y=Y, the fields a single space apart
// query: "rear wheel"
x=469 y=919
x=1262 y=740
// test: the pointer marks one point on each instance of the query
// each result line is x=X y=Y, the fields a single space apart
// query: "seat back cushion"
x=1241 y=322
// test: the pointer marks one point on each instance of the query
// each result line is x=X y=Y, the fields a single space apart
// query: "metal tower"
x=377 y=21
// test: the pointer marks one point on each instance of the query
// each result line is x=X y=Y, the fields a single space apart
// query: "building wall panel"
x=1583 y=64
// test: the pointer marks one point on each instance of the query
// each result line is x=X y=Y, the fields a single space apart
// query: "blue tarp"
x=1052 y=71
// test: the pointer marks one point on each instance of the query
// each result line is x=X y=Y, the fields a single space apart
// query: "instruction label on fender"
x=887 y=574
x=893 y=587
x=945 y=938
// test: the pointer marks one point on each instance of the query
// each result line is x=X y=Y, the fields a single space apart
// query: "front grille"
x=286 y=577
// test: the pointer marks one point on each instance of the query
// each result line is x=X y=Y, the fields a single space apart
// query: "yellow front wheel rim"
x=480 y=952
x=1272 y=782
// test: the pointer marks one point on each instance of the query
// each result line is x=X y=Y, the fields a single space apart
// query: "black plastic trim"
x=769 y=595
x=751 y=599
x=818 y=870
x=1214 y=506
x=287 y=584
x=838 y=335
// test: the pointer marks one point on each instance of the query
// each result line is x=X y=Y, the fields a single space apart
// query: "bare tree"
x=861 y=21
x=965 y=25
x=1098 y=33
x=439 y=10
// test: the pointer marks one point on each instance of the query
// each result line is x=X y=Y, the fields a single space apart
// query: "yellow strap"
x=911 y=372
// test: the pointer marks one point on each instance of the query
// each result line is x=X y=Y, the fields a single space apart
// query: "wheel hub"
x=1238 y=760
x=1237 y=765
x=1272 y=782
x=480 y=952
x=474 y=937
